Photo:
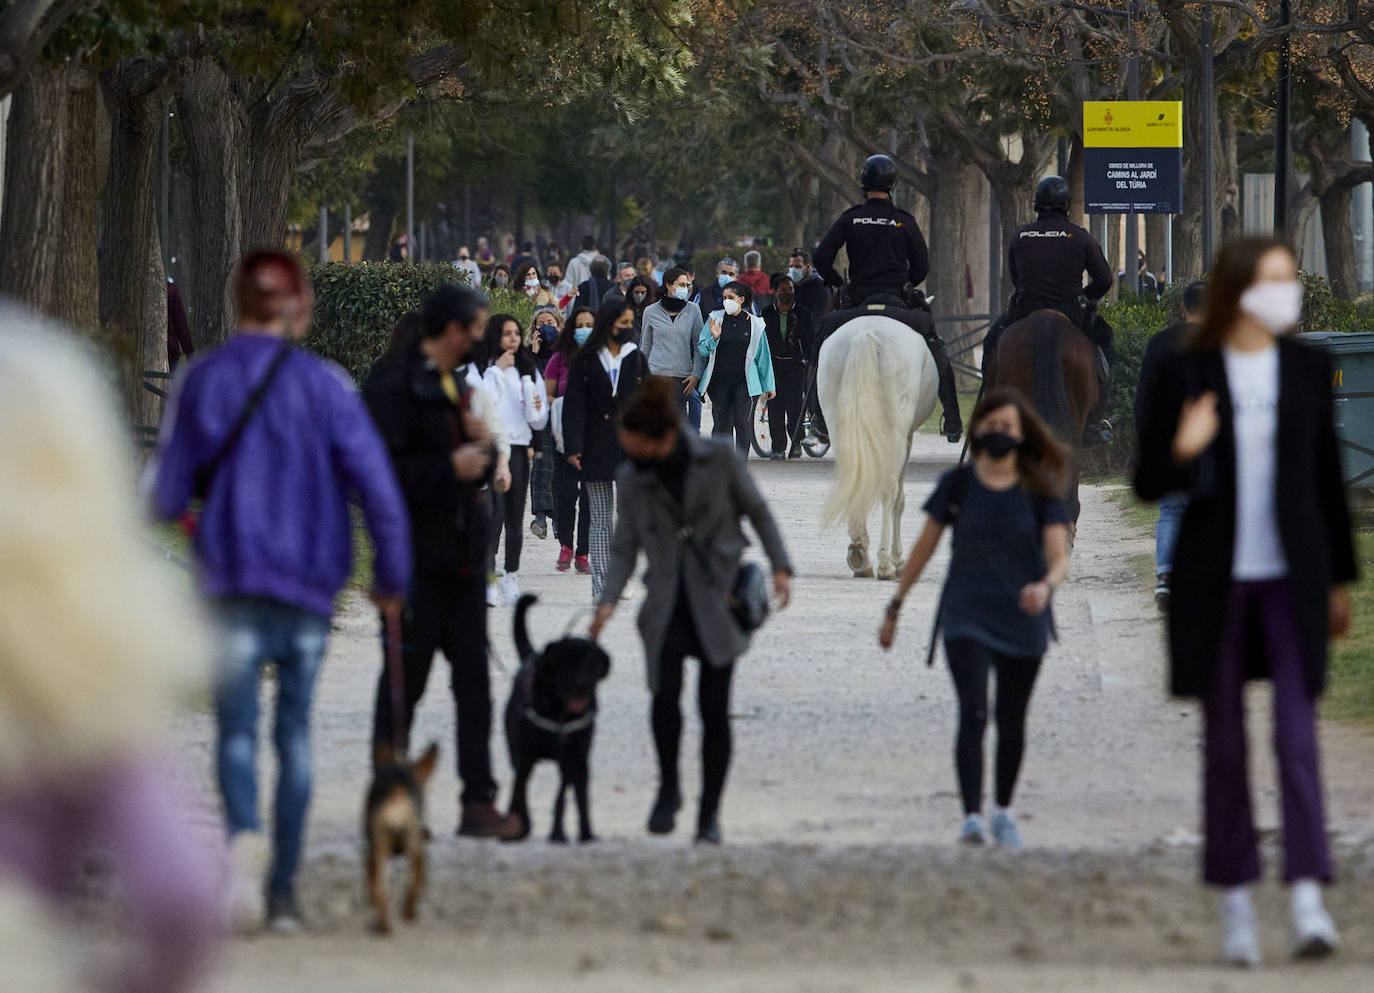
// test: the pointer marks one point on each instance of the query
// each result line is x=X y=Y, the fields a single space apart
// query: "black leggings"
x=730 y=410
x=508 y=511
x=572 y=516
x=713 y=702
x=969 y=664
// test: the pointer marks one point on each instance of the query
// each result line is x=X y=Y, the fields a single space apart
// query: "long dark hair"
x=517 y=281
x=491 y=346
x=651 y=293
x=605 y=320
x=406 y=333
x=1041 y=460
x=567 y=345
x=1232 y=274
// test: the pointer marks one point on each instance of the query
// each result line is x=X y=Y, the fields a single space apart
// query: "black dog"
x=552 y=715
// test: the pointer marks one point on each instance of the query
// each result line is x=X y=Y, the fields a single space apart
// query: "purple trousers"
x=1264 y=611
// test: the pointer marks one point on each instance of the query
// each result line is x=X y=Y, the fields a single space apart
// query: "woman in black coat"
x=605 y=371
x=1242 y=422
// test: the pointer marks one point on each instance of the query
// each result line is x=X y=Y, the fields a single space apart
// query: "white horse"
x=877 y=384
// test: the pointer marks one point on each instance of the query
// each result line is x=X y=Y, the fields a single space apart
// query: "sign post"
x=1132 y=159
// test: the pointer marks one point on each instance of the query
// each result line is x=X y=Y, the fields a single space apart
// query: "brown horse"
x=1050 y=361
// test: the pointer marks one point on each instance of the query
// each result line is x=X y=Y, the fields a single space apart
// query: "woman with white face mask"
x=739 y=366
x=1243 y=425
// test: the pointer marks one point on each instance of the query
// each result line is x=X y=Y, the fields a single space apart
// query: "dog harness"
x=560 y=728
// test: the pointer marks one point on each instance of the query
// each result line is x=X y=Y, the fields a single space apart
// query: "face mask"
x=995 y=444
x=580 y=335
x=622 y=335
x=682 y=292
x=784 y=298
x=732 y=307
x=547 y=332
x=639 y=296
x=499 y=280
x=644 y=465
x=724 y=280
x=1278 y=306
x=795 y=275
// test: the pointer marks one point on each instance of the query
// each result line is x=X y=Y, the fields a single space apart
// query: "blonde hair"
x=99 y=634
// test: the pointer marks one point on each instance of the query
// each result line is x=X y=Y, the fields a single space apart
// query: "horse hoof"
x=858 y=559
x=863 y=573
x=887 y=575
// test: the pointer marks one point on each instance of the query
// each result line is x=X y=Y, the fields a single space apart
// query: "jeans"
x=572 y=513
x=690 y=405
x=1171 y=510
x=730 y=408
x=541 y=474
x=1261 y=614
x=508 y=512
x=255 y=630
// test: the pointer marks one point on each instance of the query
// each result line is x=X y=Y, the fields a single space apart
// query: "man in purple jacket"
x=274 y=441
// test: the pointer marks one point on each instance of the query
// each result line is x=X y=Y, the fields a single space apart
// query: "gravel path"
x=840 y=872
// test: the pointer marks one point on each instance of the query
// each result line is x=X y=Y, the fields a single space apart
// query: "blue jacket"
x=758 y=360
x=275 y=522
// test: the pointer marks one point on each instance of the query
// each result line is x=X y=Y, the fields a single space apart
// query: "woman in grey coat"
x=678 y=490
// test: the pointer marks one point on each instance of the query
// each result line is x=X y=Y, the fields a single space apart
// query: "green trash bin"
x=1352 y=382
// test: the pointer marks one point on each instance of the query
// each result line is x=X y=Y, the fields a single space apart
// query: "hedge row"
x=357 y=305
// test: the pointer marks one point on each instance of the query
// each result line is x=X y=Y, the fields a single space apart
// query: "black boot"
x=952 y=424
x=663 y=816
x=1099 y=429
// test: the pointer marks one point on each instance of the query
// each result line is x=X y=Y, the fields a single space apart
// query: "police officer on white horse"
x=1047 y=260
x=888 y=259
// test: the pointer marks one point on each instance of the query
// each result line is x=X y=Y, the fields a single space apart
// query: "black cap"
x=879 y=173
x=1052 y=193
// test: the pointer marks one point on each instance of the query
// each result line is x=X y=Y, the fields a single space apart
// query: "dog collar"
x=560 y=728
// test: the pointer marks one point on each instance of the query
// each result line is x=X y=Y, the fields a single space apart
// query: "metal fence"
x=145 y=435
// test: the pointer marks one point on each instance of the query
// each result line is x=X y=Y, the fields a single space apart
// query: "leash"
x=398 y=689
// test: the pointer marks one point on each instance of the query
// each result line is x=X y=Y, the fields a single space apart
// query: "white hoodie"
x=514 y=395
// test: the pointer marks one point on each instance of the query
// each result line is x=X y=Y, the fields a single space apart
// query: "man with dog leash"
x=444 y=456
x=888 y=259
x=272 y=441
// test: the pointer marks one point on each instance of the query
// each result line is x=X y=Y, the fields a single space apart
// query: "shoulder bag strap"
x=205 y=475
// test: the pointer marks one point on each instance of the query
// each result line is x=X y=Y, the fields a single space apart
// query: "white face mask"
x=682 y=292
x=732 y=307
x=1278 y=306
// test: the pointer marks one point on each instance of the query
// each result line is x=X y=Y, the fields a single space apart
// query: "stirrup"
x=952 y=435
x=1098 y=433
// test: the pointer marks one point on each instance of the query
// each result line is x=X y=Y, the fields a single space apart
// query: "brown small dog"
x=394 y=824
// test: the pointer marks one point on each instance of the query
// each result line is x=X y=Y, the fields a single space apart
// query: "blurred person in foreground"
x=88 y=673
x=1241 y=420
x=274 y=441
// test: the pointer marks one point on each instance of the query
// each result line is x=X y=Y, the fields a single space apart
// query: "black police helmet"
x=880 y=172
x=1052 y=193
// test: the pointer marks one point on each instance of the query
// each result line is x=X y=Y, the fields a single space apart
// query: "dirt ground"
x=840 y=871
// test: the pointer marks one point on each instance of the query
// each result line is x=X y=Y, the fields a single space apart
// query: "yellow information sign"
x=1132 y=124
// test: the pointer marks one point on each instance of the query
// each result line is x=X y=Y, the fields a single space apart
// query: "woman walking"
x=740 y=366
x=543 y=333
x=1011 y=550
x=511 y=378
x=606 y=370
x=1242 y=422
x=570 y=508
x=676 y=482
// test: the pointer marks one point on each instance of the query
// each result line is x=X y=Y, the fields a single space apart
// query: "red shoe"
x=565 y=557
x=583 y=566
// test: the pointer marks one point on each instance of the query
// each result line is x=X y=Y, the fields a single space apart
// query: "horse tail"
x=861 y=428
x=1051 y=399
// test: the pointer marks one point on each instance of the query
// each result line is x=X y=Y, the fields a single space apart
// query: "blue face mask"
x=580 y=335
x=796 y=275
x=724 y=280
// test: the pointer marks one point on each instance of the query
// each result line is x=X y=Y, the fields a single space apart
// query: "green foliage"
x=1351 y=695
x=357 y=306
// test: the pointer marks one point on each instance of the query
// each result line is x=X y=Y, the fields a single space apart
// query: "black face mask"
x=644 y=465
x=622 y=335
x=995 y=444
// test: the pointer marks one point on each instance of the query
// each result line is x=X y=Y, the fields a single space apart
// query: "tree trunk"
x=1338 y=235
x=34 y=179
x=134 y=95
x=77 y=298
x=265 y=181
x=153 y=342
x=380 y=219
x=216 y=148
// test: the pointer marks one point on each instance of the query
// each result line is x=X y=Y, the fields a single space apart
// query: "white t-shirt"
x=1253 y=379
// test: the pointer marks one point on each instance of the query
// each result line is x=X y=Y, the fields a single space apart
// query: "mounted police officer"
x=887 y=260
x=1047 y=260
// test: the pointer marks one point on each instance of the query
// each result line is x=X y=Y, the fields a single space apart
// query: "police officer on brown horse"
x=888 y=259
x=1047 y=260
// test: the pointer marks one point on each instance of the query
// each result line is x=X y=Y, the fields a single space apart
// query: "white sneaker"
x=1004 y=830
x=974 y=831
x=1314 y=932
x=493 y=595
x=245 y=897
x=1240 y=945
x=510 y=587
